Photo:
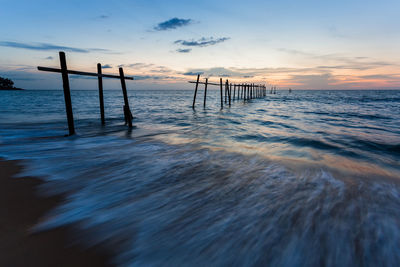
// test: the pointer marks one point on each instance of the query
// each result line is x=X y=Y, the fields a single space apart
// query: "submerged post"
x=234 y=91
x=205 y=93
x=67 y=93
x=229 y=91
x=220 y=87
x=226 y=93
x=127 y=110
x=101 y=99
x=195 y=90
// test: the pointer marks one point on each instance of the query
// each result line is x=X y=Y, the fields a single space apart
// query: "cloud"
x=136 y=65
x=21 y=74
x=152 y=77
x=339 y=61
x=183 y=50
x=380 y=76
x=202 y=42
x=79 y=77
x=49 y=58
x=172 y=24
x=50 y=47
x=224 y=72
x=106 y=66
x=190 y=73
x=317 y=81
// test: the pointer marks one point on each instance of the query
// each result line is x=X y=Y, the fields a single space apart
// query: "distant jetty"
x=7 y=84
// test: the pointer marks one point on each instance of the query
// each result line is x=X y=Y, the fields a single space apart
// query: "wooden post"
x=256 y=91
x=226 y=94
x=67 y=93
x=127 y=110
x=205 y=93
x=101 y=99
x=220 y=87
x=195 y=90
x=230 y=91
x=234 y=91
x=228 y=86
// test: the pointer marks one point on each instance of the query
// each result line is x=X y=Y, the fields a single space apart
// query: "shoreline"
x=21 y=209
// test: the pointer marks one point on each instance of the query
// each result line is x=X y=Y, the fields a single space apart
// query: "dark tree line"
x=6 y=83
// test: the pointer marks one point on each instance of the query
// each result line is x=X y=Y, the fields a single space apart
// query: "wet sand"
x=21 y=208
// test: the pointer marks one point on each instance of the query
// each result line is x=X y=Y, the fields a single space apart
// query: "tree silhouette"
x=6 y=83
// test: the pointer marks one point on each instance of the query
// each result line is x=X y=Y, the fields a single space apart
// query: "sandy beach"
x=21 y=209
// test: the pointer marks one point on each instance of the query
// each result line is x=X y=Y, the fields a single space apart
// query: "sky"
x=295 y=44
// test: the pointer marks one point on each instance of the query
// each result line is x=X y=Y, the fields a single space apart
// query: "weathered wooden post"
x=257 y=91
x=195 y=90
x=226 y=93
x=67 y=93
x=127 y=110
x=228 y=86
x=101 y=98
x=234 y=91
x=220 y=87
x=205 y=93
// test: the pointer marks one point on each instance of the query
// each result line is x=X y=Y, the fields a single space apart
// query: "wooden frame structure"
x=67 y=94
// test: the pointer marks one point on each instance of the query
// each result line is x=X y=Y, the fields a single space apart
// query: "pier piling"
x=127 y=110
x=222 y=102
x=101 y=98
x=195 y=91
x=67 y=93
x=205 y=93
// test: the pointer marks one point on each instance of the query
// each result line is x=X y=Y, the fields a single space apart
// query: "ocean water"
x=309 y=178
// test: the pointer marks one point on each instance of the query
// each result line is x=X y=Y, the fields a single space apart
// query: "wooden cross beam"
x=84 y=73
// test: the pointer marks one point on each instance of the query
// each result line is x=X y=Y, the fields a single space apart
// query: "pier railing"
x=241 y=91
x=67 y=94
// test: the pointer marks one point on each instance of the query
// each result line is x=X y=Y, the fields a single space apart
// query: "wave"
x=159 y=204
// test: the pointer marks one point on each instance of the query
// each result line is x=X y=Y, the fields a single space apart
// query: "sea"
x=307 y=178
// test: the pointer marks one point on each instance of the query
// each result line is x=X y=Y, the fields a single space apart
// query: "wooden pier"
x=241 y=91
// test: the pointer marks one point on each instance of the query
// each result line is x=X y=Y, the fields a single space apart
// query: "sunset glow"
x=297 y=44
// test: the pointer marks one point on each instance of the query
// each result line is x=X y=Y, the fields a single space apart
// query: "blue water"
x=309 y=178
